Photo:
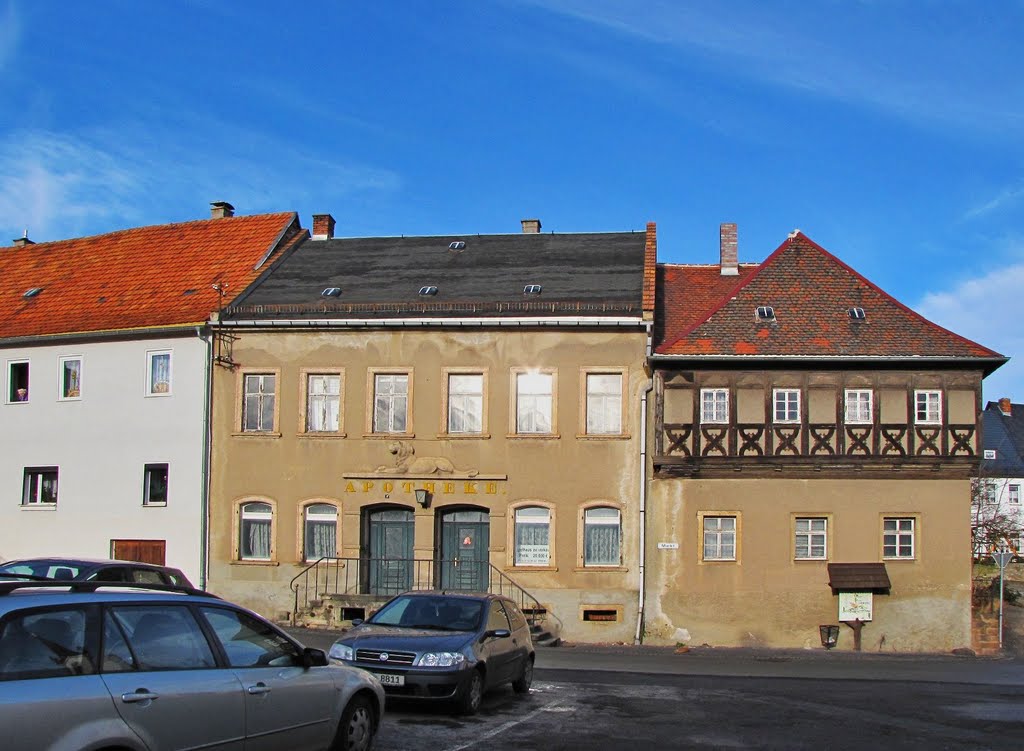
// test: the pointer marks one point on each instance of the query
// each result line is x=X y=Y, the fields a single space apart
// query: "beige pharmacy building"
x=813 y=443
x=457 y=412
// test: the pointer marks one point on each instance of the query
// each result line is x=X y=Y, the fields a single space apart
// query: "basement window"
x=857 y=314
x=532 y=289
x=765 y=313
x=601 y=615
x=331 y=292
x=431 y=290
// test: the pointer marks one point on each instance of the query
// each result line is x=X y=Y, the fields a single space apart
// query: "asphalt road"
x=625 y=697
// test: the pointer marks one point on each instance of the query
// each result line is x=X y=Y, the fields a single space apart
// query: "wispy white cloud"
x=10 y=33
x=58 y=185
x=862 y=54
x=983 y=309
x=1007 y=198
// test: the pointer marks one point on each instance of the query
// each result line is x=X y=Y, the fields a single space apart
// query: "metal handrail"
x=391 y=576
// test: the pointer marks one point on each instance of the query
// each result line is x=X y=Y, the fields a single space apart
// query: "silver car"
x=90 y=666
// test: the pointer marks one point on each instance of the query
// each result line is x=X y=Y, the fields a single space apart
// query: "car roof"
x=86 y=562
x=19 y=595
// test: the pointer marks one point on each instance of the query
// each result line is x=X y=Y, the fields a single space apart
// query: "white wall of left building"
x=100 y=443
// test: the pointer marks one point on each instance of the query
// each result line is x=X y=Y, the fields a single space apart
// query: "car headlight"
x=440 y=659
x=341 y=652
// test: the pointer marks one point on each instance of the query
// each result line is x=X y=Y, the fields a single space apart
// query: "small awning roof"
x=858 y=577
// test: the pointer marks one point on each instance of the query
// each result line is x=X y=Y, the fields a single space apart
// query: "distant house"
x=105 y=357
x=997 y=501
x=460 y=411
x=814 y=444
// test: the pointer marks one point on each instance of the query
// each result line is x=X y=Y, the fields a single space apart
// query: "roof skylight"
x=331 y=292
x=857 y=314
x=32 y=292
x=430 y=290
x=532 y=289
x=456 y=245
x=765 y=313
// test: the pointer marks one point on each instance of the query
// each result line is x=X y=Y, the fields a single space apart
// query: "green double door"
x=463 y=560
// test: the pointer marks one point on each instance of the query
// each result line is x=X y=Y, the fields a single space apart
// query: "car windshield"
x=45 y=569
x=441 y=613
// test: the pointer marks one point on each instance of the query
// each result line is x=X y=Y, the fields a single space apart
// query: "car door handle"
x=259 y=688
x=140 y=695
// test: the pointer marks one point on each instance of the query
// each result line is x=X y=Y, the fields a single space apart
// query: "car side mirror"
x=313 y=657
x=498 y=633
x=357 y=621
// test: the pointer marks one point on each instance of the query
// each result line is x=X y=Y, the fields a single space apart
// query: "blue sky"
x=891 y=132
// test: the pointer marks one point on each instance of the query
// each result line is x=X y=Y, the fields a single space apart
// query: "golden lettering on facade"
x=367 y=486
x=407 y=487
x=448 y=487
x=429 y=486
x=389 y=486
x=350 y=488
x=469 y=488
x=491 y=488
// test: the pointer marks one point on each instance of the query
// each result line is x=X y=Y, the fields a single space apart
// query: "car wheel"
x=472 y=693
x=522 y=684
x=355 y=732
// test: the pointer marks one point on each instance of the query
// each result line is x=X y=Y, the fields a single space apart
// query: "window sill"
x=603 y=437
x=159 y=394
x=899 y=560
x=533 y=436
x=529 y=569
x=601 y=569
x=255 y=563
x=39 y=506
x=389 y=436
x=312 y=435
x=714 y=561
x=810 y=560
x=155 y=505
x=256 y=434
x=462 y=436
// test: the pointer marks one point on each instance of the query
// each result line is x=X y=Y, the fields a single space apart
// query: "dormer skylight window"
x=425 y=291
x=456 y=245
x=765 y=313
x=857 y=314
x=331 y=292
x=32 y=292
x=532 y=289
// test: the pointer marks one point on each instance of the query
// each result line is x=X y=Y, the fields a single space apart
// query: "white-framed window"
x=534 y=402
x=787 y=405
x=533 y=536
x=859 y=406
x=719 y=538
x=465 y=403
x=602 y=536
x=714 y=405
x=158 y=373
x=320 y=535
x=390 y=402
x=255 y=527
x=1013 y=494
x=898 y=537
x=40 y=486
x=989 y=490
x=17 y=381
x=323 y=402
x=70 y=369
x=258 y=402
x=811 y=538
x=928 y=407
x=604 y=403
x=154 y=485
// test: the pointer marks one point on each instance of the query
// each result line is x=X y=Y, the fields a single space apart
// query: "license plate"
x=388 y=679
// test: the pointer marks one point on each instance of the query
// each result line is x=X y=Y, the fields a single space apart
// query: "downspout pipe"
x=204 y=492
x=642 y=552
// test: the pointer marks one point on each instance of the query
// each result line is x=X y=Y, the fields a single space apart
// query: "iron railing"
x=385 y=577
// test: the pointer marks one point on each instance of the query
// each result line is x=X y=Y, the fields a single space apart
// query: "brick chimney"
x=221 y=209
x=323 y=227
x=1005 y=407
x=21 y=242
x=729 y=249
x=531 y=226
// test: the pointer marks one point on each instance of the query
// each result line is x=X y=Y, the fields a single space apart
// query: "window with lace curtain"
x=255 y=527
x=158 y=373
x=465 y=403
x=533 y=536
x=602 y=537
x=320 y=539
x=323 y=402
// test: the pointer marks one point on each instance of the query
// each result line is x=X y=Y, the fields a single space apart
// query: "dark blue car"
x=449 y=646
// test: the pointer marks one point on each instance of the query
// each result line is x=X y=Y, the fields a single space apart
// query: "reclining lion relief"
x=407 y=463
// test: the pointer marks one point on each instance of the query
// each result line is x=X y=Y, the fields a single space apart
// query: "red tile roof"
x=701 y=312
x=137 y=278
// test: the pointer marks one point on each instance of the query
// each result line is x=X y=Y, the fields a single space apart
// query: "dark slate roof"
x=858 y=577
x=811 y=291
x=581 y=274
x=1003 y=434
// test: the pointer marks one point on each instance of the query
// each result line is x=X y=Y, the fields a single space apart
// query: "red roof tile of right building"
x=801 y=302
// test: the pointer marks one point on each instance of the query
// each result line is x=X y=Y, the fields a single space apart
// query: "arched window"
x=533 y=536
x=602 y=536
x=254 y=531
x=320 y=538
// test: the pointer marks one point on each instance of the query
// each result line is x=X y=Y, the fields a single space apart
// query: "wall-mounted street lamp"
x=423 y=497
x=829 y=636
